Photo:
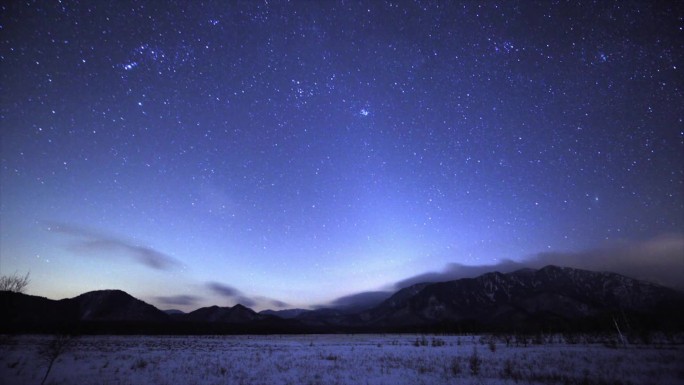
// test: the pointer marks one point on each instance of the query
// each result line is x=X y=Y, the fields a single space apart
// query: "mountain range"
x=549 y=299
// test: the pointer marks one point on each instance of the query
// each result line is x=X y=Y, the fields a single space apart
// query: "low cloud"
x=454 y=271
x=359 y=301
x=659 y=260
x=278 y=304
x=223 y=290
x=181 y=300
x=92 y=242
x=237 y=296
x=245 y=301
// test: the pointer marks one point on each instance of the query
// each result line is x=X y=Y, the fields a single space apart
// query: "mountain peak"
x=116 y=305
x=236 y=314
x=106 y=292
x=552 y=296
x=241 y=307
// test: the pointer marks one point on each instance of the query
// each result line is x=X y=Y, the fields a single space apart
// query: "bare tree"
x=14 y=282
x=50 y=352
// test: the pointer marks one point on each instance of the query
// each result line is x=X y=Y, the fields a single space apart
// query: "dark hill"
x=96 y=311
x=237 y=314
x=286 y=314
x=549 y=299
x=116 y=305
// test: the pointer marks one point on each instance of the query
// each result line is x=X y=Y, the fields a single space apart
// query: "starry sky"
x=284 y=154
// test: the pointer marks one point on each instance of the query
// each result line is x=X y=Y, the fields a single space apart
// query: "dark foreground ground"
x=342 y=359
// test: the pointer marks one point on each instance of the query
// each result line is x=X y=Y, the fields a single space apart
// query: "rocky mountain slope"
x=523 y=298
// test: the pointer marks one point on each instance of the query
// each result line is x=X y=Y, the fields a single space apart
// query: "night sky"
x=285 y=154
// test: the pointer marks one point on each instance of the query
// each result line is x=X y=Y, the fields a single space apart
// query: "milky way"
x=292 y=153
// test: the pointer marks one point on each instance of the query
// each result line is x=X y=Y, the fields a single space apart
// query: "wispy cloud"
x=237 y=296
x=231 y=293
x=181 y=300
x=92 y=242
x=278 y=304
x=359 y=301
x=454 y=271
x=245 y=301
x=223 y=290
x=659 y=260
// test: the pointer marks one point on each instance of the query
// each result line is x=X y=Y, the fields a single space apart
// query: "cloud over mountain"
x=659 y=259
x=231 y=293
x=184 y=300
x=363 y=300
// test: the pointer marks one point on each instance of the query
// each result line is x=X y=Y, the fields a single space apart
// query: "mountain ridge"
x=551 y=293
x=550 y=298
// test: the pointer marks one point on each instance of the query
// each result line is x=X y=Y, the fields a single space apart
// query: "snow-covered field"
x=337 y=359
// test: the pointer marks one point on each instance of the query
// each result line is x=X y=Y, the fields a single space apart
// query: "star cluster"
x=301 y=151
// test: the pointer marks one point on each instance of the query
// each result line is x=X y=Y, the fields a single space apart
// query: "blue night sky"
x=284 y=154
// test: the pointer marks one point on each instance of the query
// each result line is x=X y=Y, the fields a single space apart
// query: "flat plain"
x=341 y=359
